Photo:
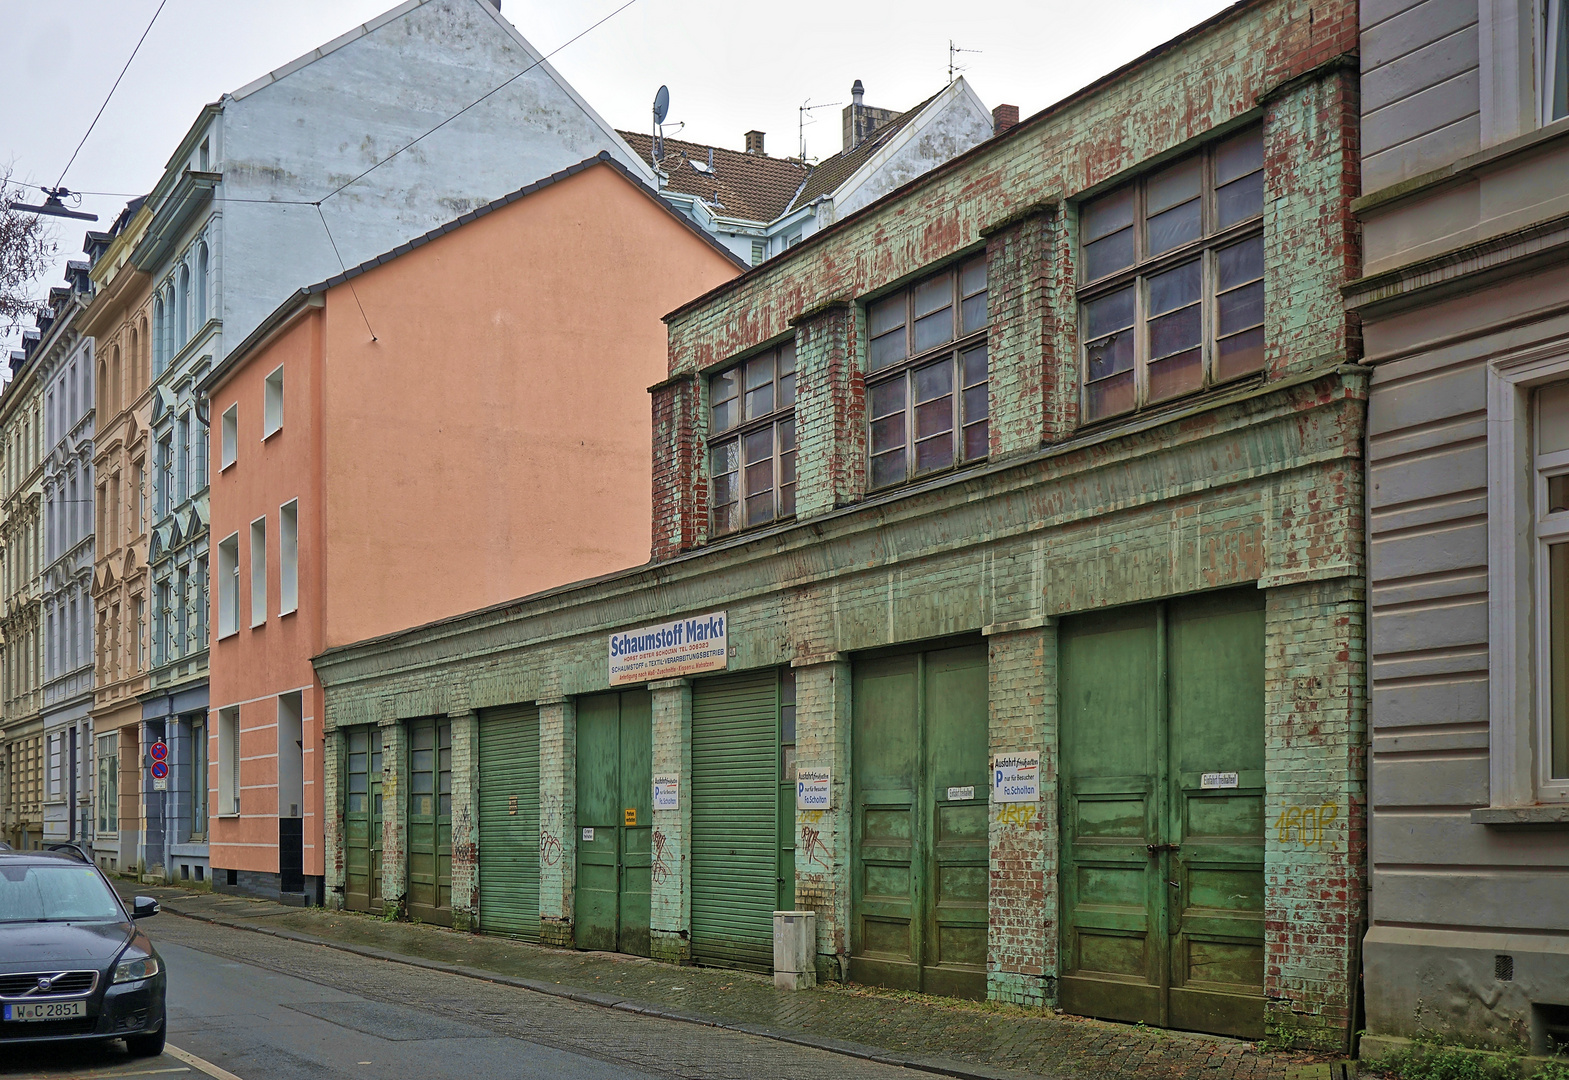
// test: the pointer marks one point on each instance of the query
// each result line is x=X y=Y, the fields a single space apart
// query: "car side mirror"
x=144 y=907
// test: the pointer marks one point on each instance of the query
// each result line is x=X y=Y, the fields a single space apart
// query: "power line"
x=482 y=98
x=352 y=290
x=112 y=89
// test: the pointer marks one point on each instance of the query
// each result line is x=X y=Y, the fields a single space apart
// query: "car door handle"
x=1156 y=849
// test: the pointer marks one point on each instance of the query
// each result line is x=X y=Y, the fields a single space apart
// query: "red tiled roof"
x=754 y=187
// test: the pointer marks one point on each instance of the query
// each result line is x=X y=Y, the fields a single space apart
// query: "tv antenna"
x=805 y=120
x=953 y=54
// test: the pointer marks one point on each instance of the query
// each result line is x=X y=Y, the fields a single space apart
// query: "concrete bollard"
x=795 y=950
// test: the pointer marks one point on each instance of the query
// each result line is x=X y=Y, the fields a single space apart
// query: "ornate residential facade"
x=65 y=371
x=120 y=320
x=21 y=549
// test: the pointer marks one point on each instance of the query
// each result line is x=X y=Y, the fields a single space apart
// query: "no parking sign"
x=159 y=752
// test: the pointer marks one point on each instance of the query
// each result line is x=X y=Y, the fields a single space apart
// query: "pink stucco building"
x=459 y=422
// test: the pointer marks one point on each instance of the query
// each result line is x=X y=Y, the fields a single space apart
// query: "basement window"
x=751 y=445
x=1172 y=266
x=927 y=383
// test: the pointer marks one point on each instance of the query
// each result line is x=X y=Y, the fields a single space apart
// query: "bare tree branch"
x=27 y=251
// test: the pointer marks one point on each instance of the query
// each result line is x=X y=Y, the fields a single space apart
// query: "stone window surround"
x=1517 y=692
x=1513 y=100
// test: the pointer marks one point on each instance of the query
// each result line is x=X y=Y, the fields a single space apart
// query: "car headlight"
x=134 y=968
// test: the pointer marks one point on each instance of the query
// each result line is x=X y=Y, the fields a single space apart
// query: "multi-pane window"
x=751 y=445
x=1173 y=279
x=926 y=382
x=164 y=488
x=1552 y=532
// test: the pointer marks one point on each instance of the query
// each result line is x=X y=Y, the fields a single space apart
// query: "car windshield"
x=64 y=893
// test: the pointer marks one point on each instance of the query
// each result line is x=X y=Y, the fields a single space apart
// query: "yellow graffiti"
x=1305 y=825
x=1019 y=813
x=810 y=817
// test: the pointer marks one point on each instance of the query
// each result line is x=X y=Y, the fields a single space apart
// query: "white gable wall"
x=297 y=134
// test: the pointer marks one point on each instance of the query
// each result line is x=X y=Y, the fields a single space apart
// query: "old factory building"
x=1005 y=607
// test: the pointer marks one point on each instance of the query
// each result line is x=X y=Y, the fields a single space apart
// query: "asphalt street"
x=263 y=1008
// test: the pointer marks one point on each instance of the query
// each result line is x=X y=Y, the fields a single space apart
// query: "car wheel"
x=146 y=1045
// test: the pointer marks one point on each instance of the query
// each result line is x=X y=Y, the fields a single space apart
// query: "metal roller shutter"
x=509 y=821
x=735 y=846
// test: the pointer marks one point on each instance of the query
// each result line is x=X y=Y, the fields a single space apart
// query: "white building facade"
x=65 y=371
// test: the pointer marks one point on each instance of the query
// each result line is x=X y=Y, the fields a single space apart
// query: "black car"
x=73 y=964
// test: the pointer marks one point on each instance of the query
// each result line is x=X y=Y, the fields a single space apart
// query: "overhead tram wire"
x=110 y=94
x=350 y=282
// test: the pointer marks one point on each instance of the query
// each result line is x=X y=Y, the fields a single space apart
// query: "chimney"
x=1004 y=118
x=861 y=121
x=754 y=142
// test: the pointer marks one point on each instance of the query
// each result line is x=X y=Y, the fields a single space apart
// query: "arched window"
x=182 y=322
x=103 y=379
x=157 y=337
x=142 y=353
x=201 y=285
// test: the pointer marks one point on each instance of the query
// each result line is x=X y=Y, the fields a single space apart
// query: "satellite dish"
x=661 y=104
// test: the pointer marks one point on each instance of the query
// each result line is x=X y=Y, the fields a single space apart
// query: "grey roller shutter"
x=735 y=846
x=509 y=821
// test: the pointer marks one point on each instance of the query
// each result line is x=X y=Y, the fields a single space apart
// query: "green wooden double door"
x=430 y=820
x=509 y=837
x=614 y=815
x=920 y=789
x=1162 y=803
x=362 y=819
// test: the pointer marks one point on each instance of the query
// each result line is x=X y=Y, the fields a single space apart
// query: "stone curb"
x=937 y=1066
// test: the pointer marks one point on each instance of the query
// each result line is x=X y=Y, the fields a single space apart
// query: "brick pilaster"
x=465 y=819
x=680 y=493
x=1021 y=948
x=670 y=902
x=822 y=838
x=1315 y=855
x=557 y=819
x=830 y=410
x=333 y=750
x=394 y=816
x=1018 y=255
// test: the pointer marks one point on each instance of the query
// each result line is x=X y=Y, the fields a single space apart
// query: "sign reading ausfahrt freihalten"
x=1016 y=777
x=812 y=789
x=669 y=650
x=667 y=792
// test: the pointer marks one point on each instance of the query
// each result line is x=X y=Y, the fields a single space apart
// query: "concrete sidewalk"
x=954 y=1038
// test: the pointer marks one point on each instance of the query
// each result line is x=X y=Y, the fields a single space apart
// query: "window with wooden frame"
x=751 y=443
x=1172 y=273
x=927 y=377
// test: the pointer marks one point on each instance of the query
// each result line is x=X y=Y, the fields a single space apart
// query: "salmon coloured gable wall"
x=494 y=439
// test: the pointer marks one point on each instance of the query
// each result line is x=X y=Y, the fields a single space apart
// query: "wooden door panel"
x=885 y=759
x=595 y=896
x=1113 y=955
x=1216 y=717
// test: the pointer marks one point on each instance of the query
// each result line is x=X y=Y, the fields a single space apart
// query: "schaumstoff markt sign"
x=669 y=650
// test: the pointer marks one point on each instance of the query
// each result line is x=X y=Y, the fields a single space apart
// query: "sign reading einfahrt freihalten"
x=669 y=650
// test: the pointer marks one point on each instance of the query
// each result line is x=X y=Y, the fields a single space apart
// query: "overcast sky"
x=729 y=66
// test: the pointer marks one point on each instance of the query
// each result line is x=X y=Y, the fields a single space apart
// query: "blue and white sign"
x=813 y=789
x=1016 y=777
x=669 y=650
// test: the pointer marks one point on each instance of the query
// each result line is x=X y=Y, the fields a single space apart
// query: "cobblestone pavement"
x=956 y=1037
